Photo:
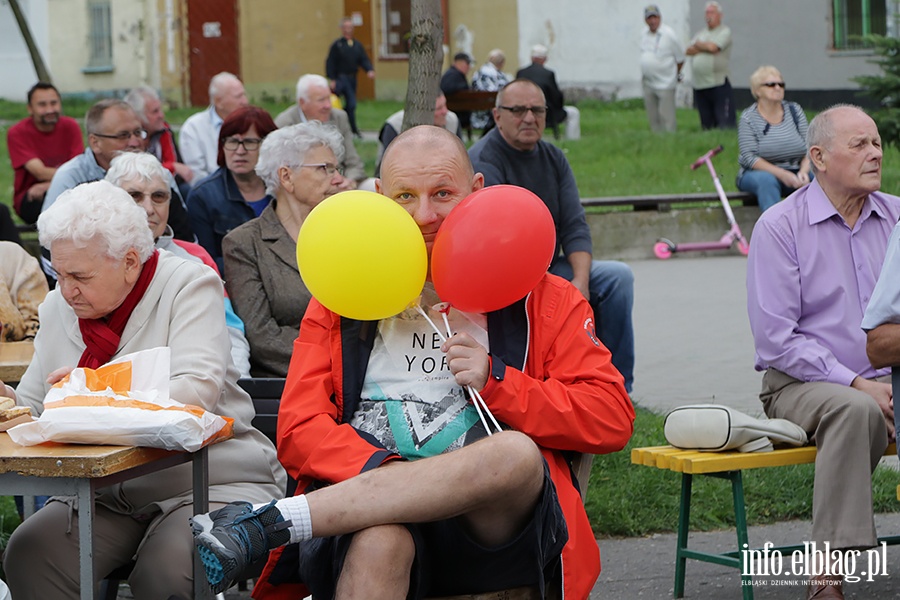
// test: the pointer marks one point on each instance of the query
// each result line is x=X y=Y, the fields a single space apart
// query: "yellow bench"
x=724 y=465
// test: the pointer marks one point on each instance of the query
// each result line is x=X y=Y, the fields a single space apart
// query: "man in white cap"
x=661 y=62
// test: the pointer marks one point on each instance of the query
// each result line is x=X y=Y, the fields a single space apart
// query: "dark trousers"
x=30 y=210
x=346 y=87
x=8 y=231
x=716 y=107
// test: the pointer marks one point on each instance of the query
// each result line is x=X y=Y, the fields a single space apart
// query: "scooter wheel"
x=662 y=250
x=743 y=246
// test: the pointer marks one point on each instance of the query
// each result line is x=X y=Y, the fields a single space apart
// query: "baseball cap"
x=652 y=10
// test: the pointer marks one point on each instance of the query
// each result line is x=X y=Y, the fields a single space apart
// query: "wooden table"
x=80 y=470
x=14 y=359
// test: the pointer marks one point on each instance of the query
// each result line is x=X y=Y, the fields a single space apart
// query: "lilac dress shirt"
x=809 y=279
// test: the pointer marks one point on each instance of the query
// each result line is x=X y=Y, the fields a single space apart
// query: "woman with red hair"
x=234 y=193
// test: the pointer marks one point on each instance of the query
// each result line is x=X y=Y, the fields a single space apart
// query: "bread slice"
x=6 y=403
x=11 y=413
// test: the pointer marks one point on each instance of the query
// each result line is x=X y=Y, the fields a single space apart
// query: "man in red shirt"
x=39 y=144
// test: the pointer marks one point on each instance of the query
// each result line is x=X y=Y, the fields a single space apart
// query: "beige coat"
x=174 y=312
x=265 y=287
x=22 y=288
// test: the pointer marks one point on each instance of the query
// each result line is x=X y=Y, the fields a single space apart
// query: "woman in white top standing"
x=772 y=141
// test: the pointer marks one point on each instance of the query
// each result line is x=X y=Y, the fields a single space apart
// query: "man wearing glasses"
x=514 y=153
x=112 y=127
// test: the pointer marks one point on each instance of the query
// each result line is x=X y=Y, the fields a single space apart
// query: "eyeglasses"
x=249 y=144
x=158 y=197
x=519 y=111
x=771 y=84
x=328 y=168
x=122 y=136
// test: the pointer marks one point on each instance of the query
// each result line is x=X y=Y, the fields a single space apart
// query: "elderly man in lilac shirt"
x=814 y=260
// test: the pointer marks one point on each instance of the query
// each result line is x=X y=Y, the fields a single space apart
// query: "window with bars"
x=99 y=34
x=396 y=24
x=855 y=19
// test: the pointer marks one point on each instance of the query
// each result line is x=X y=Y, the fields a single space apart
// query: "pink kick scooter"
x=665 y=248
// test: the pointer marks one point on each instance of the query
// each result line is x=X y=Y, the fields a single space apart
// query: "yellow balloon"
x=362 y=255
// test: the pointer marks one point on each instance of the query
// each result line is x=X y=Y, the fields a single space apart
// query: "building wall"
x=17 y=73
x=167 y=44
x=594 y=47
x=477 y=27
x=280 y=41
x=795 y=38
x=131 y=56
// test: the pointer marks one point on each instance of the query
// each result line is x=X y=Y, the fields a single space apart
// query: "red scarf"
x=102 y=336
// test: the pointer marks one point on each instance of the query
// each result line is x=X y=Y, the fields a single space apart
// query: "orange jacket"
x=551 y=378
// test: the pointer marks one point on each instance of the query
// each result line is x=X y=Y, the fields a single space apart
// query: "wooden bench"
x=724 y=465
x=471 y=101
x=664 y=202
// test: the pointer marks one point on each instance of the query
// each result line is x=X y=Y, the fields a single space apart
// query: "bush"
x=885 y=88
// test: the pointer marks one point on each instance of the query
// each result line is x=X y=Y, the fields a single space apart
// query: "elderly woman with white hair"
x=300 y=166
x=144 y=178
x=489 y=78
x=772 y=141
x=116 y=295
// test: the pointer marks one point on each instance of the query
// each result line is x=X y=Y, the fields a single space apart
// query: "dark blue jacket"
x=216 y=207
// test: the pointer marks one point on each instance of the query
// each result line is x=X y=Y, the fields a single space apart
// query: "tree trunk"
x=426 y=55
x=42 y=73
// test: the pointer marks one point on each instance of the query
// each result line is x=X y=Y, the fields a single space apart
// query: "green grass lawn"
x=617 y=154
x=630 y=500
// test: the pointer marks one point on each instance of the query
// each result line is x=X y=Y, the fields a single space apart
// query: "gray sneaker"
x=234 y=537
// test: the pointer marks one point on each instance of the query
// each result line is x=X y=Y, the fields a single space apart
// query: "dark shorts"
x=449 y=562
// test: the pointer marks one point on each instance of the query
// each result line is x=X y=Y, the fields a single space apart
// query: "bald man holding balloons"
x=440 y=383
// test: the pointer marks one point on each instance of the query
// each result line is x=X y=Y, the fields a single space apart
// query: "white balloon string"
x=430 y=322
x=473 y=393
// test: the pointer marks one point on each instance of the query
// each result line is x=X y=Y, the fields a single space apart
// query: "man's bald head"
x=427 y=171
x=430 y=140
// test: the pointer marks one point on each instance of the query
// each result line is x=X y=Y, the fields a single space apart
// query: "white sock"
x=296 y=510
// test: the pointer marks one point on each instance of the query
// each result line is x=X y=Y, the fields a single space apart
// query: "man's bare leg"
x=494 y=484
x=378 y=564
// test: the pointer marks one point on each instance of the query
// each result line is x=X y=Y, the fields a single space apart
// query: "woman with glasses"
x=234 y=193
x=144 y=178
x=299 y=165
x=772 y=141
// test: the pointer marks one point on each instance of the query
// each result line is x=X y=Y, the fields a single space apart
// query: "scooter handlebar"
x=706 y=157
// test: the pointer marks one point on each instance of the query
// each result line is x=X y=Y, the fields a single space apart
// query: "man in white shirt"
x=661 y=62
x=199 y=137
x=314 y=104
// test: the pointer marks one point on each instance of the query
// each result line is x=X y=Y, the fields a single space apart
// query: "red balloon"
x=492 y=249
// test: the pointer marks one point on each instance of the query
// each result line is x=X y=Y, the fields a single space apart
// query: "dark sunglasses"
x=772 y=84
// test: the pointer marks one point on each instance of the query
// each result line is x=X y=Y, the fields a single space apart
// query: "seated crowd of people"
x=404 y=490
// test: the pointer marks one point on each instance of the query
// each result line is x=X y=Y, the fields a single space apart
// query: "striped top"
x=783 y=145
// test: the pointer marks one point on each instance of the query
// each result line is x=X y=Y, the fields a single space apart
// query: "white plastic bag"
x=125 y=402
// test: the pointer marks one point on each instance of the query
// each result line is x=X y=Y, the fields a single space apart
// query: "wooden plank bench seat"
x=729 y=466
x=471 y=101
x=664 y=202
